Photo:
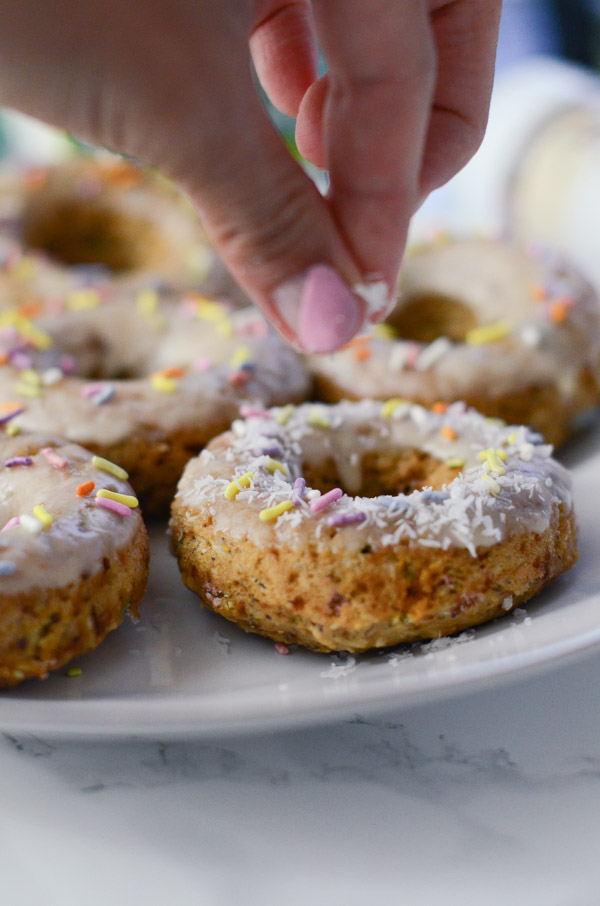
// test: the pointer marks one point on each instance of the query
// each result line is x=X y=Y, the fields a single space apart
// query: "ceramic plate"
x=182 y=671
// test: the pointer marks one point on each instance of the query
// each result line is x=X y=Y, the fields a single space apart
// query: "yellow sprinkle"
x=487 y=333
x=316 y=419
x=74 y=671
x=36 y=337
x=492 y=456
x=44 y=517
x=494 y=486
x=208 y=309
x=234 y=487
x=23 y=269
x=284 y=414
x=497 y=422
x=455 y=462
x=146 y=302
x=163 y=384
x=241 y=354
x=274 y=512
x=82 y=299
x=511 y=438
x=224 y=328
x=271 y=465
x=31 y=377
x=12 y=430
x=27 y=390
x=105 y=465
x=391 y=405
x=126 y=499
x=385 y=331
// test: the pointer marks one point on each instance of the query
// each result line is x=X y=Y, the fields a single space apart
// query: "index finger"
x=381 y=76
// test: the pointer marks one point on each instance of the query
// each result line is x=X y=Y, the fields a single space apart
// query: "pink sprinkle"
x=113 y=505
x=20 y=360
x=253 y=412
x=280 y=648
x=67 y=364
x=412 y=354
x=239 y=378
x=202 y=365
x=253 y=328
x=11 y=523
x=91 y=389
x=326 y=499
x=53 y=458
x=298 y=491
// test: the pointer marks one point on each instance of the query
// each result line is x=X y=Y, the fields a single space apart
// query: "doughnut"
x=362 y=525
x=103 y=210
x=73 y=553
x=512 y=331
x=143 y=377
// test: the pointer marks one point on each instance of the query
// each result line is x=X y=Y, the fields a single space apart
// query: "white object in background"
x=32 y=143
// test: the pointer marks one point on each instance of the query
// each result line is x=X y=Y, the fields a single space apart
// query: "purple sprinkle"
x=7 y=567
x=267 y=450
x=18 y=461
x=326 y=499
x=298 y=491
x=346 y=518
x=20 y=360
x=6 y=417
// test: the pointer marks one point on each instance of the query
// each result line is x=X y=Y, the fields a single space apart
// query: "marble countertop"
x=492 y=797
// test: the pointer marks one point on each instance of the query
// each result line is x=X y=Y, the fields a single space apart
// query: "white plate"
x=182 y=671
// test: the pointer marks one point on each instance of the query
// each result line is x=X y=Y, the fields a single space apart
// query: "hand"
x=402 y=107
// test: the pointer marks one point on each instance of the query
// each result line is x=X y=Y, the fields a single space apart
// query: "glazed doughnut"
x=73 y=553
x=362 y=525
x=513 y=332
x=145 y=378
x=103 y=210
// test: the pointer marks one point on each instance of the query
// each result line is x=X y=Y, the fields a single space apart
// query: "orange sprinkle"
x=356 y=341
x=82 y=490
x=558 y=311
x=30 y=309
x=361 y=353
x=8 y=407
x=538 y=292
x=448 y=432
x=3 y=358
x=170 y=372
x=439 y=408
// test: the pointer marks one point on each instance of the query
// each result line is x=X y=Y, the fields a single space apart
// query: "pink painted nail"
x=319 y=309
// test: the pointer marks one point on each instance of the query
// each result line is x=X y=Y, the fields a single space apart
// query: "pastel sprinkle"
x=494 y=486
x=271 y=465
x=103 y=396
x=52 y=376
x=298 y=491
x=82 y=490
x=511 y=437
x=390 y=406
x=126 y=499
x=163 y=384
x=284 y=414
x=492 y=457
x=384 y=331
x=72 y=672
x=346 y=519
x=53 y=458
x=43 y=515
x=558 y=312
x=316 y=419
x=234 y=487
x=30 y=524
x=240 y=355
x=7 y=567
x=326 y=500
x=439 y=408
x=487 y=333
x=271 y=513
x=105 y=465
x=448 y=432
x=455 y=462
x=119 y=508
x=146 y=302
x=253 y=412
x=239 y=378
x=10 y=524
x=27 y=390
x=82 y=299
x=15 y=410
x=12 y=429
x=18 y=461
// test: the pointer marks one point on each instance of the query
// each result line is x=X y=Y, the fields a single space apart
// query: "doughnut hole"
x=425 y=317
x=382 y=472
x=88 y=232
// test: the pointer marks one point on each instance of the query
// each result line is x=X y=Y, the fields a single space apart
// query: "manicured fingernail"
x=319 y=309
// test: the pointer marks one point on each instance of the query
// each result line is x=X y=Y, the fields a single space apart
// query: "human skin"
x=402 y=107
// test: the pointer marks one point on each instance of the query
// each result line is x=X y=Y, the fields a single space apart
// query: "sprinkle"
x=126 y=499
x=284 y=414
x=146 y=302
x=53 y=458
x=172 y=371
x=511 y=437
x=487 y=333
x=439 y=408
x=104 y=395
x=455 y=462
x=538 y=292
x=316 y=419
x=234 y=487
x=391 y=405
x=116 y=507
x=491 y=457
x=239 y=378
x=531 y=336
x=271 y=465
x=43 y=515
x=558 y=311
x=13 y=409
x=432 y=353
x=12 y=430
x=361 y=353
x=448 y=432
x=105 y=465
x=384 y=331
x=30 y=524
x=240 y=355
x=274 y=512
x=10 y=524
x=82 y=490
x=253 y=412
x=36 y=337
x=267 y=449
x=346 y=519
x=28 y=390
x=73 y=672
x=326 y=500
x=398 y=356
x=52 y=376
x=7 y=567
x=280 y=648
x=163 y=384
x=202 y=364
x=298 y=491
x=494 y=486
x=82 y=299
x=18 y=461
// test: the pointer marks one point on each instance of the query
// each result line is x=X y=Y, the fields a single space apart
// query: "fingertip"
x=309 y=124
